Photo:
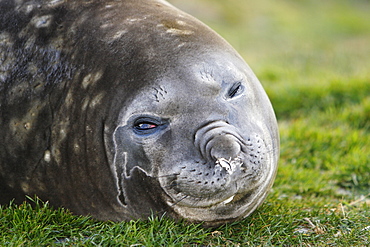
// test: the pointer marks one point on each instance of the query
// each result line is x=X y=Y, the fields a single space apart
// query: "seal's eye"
x=145 y=126
x=235 y=90
x=148 y=125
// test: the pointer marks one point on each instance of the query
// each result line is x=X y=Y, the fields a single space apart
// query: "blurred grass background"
x=313 y=59
x=291 y=38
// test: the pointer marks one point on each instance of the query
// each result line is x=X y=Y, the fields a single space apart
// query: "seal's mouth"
x=224 y=190
x=224 y=182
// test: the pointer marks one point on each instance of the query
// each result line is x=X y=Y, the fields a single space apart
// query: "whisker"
x=186 y=196
x=171 y=185
x=170 y=175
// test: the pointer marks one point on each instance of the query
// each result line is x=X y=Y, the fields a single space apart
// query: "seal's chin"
x=236 y=197
x=203 y=185
x=217 y=212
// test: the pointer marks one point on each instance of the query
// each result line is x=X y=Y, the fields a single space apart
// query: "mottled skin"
x=121 y=109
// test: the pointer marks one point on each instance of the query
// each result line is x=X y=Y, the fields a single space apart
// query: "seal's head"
x=203 y=127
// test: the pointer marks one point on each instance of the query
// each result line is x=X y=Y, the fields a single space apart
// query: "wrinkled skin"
x=121 y=109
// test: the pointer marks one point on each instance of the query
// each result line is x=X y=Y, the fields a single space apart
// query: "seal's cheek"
x=133 y=143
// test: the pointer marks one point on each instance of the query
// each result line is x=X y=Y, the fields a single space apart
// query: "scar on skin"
x=206 y=75
x=42 y=21
x=91 y=78
x=159 y=93
x=178 y=27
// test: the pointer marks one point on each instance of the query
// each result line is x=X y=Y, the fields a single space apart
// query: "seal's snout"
x=224 y=146
x=218 y=140
x=227 y=169
x=222 y=171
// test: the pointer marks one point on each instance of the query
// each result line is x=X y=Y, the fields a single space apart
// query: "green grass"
x=313 y=59
x=284 y=220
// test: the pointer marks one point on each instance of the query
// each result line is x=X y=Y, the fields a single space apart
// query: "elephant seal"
x=123 y=109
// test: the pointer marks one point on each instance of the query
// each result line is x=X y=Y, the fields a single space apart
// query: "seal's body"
x=121 y=109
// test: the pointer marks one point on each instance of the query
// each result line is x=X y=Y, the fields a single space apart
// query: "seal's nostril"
x=225 y=146
x=211 y=133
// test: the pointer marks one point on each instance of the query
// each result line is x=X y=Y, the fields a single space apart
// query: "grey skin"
x=123 y=109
